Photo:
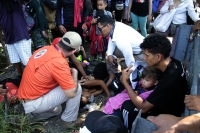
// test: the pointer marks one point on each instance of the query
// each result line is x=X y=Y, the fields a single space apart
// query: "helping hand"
x=82 y=81
x=126 y=73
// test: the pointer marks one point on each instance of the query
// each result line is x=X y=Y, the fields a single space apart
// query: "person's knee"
x=128 y=105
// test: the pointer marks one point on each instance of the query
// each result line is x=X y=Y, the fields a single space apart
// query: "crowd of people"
x=57 y=73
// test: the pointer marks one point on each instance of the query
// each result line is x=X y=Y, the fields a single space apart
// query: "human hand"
x=196 y=25
x=171 y=7
x=113 y=14
x=107 y=98
x=94 y=21
x=44 y=34
x=82 y=81
x=165 y=123
x=3 y=91
x=110 y=60
x=125 y=74
x=87 y=77
x=84 y=27
x=149 y=18
x=120 y=59
x=192 y=102
x=62 y=29
x=81 y=48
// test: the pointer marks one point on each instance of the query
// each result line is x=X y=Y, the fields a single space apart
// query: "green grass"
x=17 y=123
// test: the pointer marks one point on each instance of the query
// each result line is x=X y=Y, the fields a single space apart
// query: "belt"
x=25 y=100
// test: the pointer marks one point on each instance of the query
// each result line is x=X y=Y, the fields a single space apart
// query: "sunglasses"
x=100 y=29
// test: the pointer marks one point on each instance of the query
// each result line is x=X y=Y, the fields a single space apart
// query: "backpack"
x=30 y=22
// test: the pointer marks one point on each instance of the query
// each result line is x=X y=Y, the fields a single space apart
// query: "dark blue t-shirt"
x=13 y=23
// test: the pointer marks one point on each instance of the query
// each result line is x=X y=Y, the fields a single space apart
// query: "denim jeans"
x=141 y=21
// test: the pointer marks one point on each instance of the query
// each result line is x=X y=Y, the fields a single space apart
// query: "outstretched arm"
x=173 y=124
x=77 y=64
x=97 y=83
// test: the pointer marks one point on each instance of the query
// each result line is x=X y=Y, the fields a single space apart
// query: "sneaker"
x=71 y=125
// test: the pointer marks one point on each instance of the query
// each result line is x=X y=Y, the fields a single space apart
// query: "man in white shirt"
x=124 y=42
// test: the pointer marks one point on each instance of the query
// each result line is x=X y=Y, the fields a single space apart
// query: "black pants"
x=129 y=113
x=118 y=15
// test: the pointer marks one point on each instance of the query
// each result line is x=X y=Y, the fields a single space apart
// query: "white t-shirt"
x=127 y=40
x=180 y=14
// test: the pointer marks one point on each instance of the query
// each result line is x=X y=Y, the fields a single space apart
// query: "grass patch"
x=17 y=123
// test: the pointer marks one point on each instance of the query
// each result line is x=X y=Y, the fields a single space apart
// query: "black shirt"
x=140 y=9
x=169 y=94
x=68 y=12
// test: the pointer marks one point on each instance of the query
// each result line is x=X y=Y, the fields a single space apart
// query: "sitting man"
x=48 y=82
x=168 y=96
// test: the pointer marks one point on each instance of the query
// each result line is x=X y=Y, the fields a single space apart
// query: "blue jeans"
x=141 y=21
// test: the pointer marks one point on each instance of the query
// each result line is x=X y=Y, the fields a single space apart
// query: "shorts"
x=19 y=51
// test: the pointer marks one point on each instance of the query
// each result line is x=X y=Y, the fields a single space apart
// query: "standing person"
x=17 y=39
x=38 y=32
x=168 y=96
x=140 y=12
x=48 y=82
x=74 y=13
x=98 y=42
x=123 y=42
x=117 y=7
x=125 y=12
x=179 y=18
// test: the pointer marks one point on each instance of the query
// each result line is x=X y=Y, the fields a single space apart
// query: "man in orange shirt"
x=48 y=81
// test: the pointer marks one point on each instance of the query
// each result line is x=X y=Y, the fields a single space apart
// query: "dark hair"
x=157 y=44
x=65 y=47
x=105 y=1
x=151 y=72
x=106 y=19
